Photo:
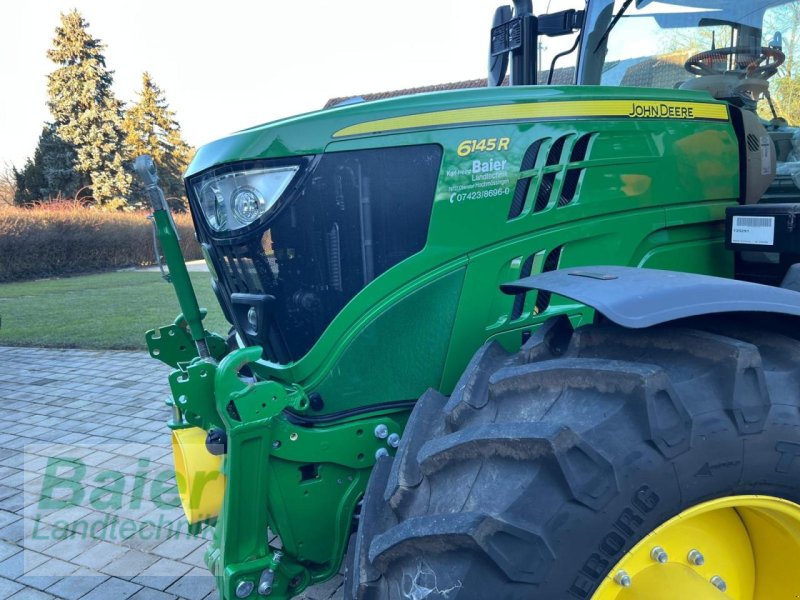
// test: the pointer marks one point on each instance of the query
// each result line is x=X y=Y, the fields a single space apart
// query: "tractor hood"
x=311 y=133
x=299 y=216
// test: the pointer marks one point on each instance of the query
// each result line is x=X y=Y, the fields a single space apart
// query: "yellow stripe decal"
x=639 y=109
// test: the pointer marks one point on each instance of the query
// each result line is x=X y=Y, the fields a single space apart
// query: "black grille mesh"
x=519 y=299
x=548 y=180
x=550 y=264
x=573 y=176
x=521 y=190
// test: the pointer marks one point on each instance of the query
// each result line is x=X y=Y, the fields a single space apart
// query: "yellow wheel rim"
x=735 y=548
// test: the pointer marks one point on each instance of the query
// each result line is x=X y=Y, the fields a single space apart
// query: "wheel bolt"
x=381 y=431
x=658 y=554
x=719 y=583
x=695 y=557
x=380 y=453
x=393 y=440
x=623 y=579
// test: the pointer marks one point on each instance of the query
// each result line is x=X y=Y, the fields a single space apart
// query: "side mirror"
x=776 y=43
x=498 y=59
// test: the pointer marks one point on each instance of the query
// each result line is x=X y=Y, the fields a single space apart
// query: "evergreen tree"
x=151 y=128
x=30 y=183
x=51 y=173
x=87 y=115
x=58 y=165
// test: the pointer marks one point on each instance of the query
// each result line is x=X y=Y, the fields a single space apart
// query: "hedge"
x=65 y=238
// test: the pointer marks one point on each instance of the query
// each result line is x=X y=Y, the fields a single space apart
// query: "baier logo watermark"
x=103 y=506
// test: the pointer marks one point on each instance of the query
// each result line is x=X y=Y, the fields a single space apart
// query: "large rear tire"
x=546 y=467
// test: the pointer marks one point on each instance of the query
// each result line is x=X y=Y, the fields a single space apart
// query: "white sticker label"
x=766 y=155
x=758 y=231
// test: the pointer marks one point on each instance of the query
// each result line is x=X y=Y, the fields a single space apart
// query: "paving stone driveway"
x=104 y=410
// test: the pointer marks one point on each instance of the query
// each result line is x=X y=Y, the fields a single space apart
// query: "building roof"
x=439 y=87
x=563 y=76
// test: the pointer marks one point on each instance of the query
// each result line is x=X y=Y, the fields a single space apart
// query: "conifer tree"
x=151 y=128
x=87 y=115
x=58 y=165
x=50 y=174
x=29 y=182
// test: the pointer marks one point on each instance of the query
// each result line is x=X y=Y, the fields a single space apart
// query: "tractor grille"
x=574 y=174
x=550 y=264
x=549 y=181
x=521 y=190
x=241 y=272
x=546 y=186
x=519 y=299
x=282 y=283
x=542 y=298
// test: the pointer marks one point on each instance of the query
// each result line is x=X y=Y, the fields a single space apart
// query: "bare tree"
x=8 y=185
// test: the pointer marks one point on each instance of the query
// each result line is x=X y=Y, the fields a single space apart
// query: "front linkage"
x=247 y=462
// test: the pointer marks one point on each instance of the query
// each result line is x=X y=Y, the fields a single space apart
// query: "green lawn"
x=108 y=310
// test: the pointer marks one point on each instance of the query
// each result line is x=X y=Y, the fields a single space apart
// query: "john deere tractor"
x=529 y=341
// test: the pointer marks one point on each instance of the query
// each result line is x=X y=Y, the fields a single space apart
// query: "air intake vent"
x=580 y=148
x=550 y=264
x=546 y=186
x=519 y=299
x=241 y=271
x=521 y=191
x=573 y=175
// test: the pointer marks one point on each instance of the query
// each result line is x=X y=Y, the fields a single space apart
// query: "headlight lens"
x=236 y=199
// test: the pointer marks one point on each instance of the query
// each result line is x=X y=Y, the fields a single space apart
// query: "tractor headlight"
x=237 y=198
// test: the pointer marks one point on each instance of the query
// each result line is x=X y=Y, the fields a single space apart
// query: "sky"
x=229 y=65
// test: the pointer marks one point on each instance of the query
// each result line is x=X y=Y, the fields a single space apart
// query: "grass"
x=103 y=311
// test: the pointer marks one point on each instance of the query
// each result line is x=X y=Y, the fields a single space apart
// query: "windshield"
x=733 y=49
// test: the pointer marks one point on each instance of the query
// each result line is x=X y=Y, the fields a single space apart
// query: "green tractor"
x=527 y=341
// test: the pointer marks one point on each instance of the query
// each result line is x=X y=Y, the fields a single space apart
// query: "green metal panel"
x=606 y=188
x=403 y=348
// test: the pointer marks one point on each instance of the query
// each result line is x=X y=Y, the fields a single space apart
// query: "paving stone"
x=77 y=585
x=48 y=574
x=197 y=583
x=40 y=582
x=197 y=558
x=13 y=502
x=179 y=546
x=6 y=518
x=14 y=532
x=8 y=587
x=69 y=548
x=39 y=536
x=151 y=594
x=130 y=564
x=30 y=594
x=64 y=416
x=7 y=549
x=99 y=555
x=14 y=566
x=115 y=588
x=162 y=574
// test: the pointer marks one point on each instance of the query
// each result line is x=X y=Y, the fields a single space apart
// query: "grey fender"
x=638 y=298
